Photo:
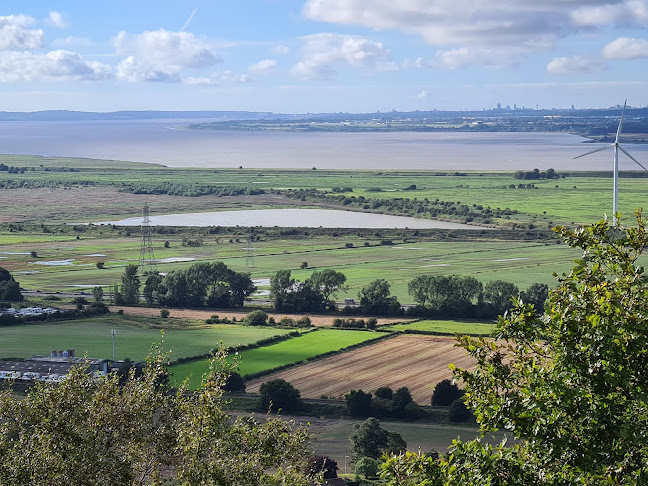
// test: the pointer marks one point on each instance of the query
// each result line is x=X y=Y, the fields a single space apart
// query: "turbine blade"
x=633 y=159
x=595 y=150
x=621 y=122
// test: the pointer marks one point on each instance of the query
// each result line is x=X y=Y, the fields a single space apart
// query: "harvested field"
x=415 y=361
x=316 y=320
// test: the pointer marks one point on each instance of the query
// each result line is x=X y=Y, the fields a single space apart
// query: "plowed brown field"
x=415 y=361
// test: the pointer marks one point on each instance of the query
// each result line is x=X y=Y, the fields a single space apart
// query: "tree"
x=323 y=465
x=537 y=295
x=499 y=294
x=241 y=287
x=328 y=282
x=97 y=294
x=402 y=398
x=278 y=394
x=130 y=285
x=358 y=403
x=385 y=393
x=375 y=299
x=367 y=467
x=445 y=392
x=152 y=287
x=9 y=288
x=280 y=286
x=87 y=431
x=234 y=383
x=571 y=386
x=369 y=439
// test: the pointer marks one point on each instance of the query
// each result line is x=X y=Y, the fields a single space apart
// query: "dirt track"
x=316 y=320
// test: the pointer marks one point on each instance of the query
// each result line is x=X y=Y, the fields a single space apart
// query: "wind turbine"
x=617 y=147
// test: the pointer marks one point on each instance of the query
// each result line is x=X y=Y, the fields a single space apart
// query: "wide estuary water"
x=170 y=143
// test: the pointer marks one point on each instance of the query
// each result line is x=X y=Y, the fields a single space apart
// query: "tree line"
x=203 y=284
x=434 y=295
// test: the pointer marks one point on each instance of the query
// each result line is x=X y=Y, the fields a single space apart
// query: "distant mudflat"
x=295 y=218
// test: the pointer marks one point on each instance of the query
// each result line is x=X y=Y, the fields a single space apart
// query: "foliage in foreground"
x=87 y=431
x=571 y=387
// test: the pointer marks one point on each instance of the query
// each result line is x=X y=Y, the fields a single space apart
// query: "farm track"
x=316 y=320
x=415 y=361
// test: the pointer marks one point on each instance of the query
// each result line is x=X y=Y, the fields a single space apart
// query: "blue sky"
x=298 y=56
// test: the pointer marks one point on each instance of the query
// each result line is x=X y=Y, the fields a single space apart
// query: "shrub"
x=358 y=403
x=164 y=313
x=445 y=392
x=279 y=394
x=304 y=322
x=256 y=318
x=234 y=383
x=385 y=393
x=458 y=411
x=367 y=467
x=321 y=464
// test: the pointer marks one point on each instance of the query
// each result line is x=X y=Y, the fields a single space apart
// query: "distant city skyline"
x=300 y=56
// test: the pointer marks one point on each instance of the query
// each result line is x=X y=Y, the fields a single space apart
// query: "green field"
x=447 y=326
x=279 y=354
x=133 y=338
x=521 y=262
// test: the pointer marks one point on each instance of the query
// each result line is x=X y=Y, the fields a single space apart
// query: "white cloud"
x=627 y=12
x=511 y=29
x=323 y=52
x=494 y=58
x=161 y=55
x=424 y=93
x=227 y=77
x=57 y=20
x=626 y=48
x=56 y=65
x=281 y=50
x=16 y=34
x=263 y=67
x=573 y=65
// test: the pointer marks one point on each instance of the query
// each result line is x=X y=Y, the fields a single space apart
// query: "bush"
x=321 y=464
x=367 y=467
x=385 y=393
x=458 y=411
x=256 y=318
x=164 y=313
x=445 y=392
x=358 y=403
x=234 y=383
x=279 y=394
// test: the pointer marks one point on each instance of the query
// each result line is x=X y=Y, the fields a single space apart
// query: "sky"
x=314 y=56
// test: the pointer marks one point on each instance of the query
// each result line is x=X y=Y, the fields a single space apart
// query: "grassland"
x=291 y=351
x=134 y=337
x=449 y=326
x=74 y=190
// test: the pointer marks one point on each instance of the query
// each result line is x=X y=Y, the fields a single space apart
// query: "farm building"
x=51 y=368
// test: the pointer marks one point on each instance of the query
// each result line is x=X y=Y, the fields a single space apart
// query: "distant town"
x=595 y=123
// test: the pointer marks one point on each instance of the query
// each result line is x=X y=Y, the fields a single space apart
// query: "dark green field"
x=133 y=337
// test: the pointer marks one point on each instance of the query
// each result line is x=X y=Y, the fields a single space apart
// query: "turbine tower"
x=147 y=258
x=617 y=147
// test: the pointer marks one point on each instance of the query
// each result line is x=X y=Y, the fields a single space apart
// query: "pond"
x=296 y=218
